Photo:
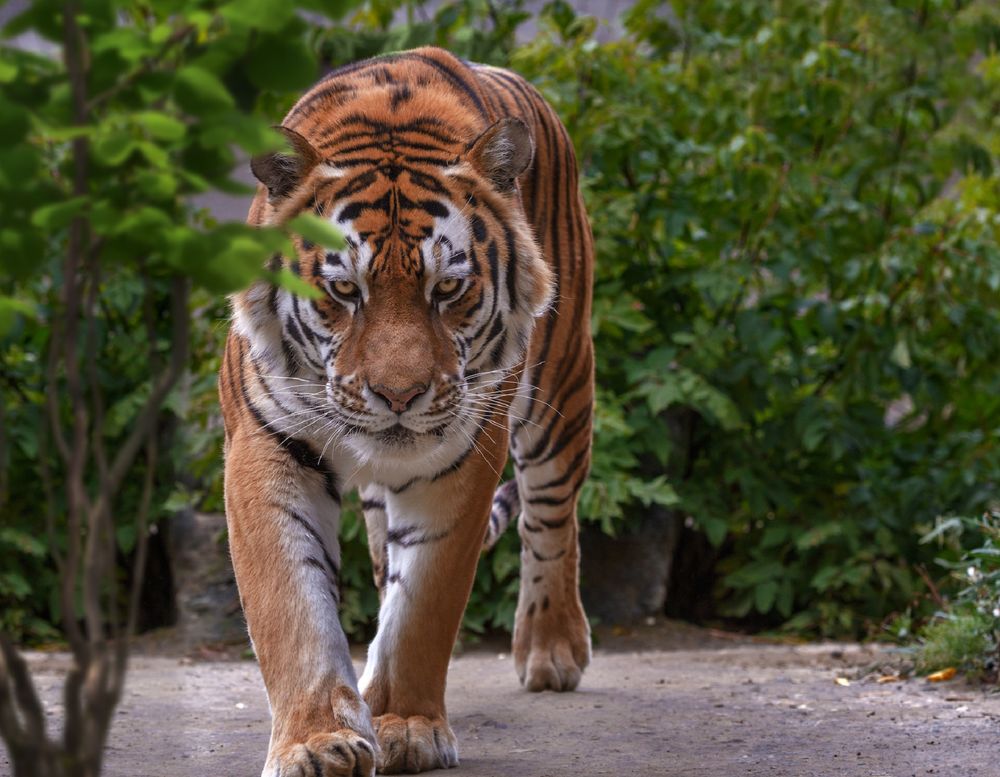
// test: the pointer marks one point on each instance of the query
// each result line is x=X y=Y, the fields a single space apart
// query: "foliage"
x=796 y=215
x=966 y=641
x=104 y=148
x=967 y=635
x=795 y=209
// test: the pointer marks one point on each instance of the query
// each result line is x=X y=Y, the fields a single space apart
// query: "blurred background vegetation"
x=797 y=215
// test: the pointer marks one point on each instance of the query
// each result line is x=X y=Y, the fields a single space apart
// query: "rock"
x=627 y=577
x=208 y=603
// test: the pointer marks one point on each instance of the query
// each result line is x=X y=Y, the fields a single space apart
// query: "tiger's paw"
x=414 y=744
x=551 y=648
x=343 y=753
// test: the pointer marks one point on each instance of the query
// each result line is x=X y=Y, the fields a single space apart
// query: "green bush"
x=795 y=209
x=967 y=635
x=964 y=641
x=105 y=144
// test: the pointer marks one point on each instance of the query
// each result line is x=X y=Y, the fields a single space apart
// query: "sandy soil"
x=722 y=708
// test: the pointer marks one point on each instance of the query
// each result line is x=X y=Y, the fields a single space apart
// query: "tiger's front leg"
x=282 y=511
x=433 y=541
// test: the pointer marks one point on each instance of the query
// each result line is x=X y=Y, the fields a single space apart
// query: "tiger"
x=450 y=332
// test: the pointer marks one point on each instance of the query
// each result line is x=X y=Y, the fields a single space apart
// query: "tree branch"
x=142 y=518
x=178 y=361
x=18 y=695
x=65 y=338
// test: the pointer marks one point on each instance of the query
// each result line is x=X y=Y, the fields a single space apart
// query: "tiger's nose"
x=399 y=400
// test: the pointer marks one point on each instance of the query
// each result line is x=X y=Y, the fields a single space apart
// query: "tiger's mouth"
x=400 y=437
x=397 y=436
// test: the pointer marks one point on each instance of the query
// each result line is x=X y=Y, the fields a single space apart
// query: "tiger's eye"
x=447 y=287
x=345 y=288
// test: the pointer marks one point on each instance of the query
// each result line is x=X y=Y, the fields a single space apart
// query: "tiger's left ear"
x=503 y=152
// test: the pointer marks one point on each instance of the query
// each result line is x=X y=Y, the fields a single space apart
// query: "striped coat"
x=451 y=331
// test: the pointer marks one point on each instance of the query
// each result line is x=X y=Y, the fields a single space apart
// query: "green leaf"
x=14 y=585
x=764 y=595
x=901 y=354
x=145 y=223
x=200 y=91
x=125 y=536
x=265 y=14
x=654 y=491
x=715 y=528
x=126 y=41
x=785 y=600
x=233 y=268
x=113 y=147
x=8 y=71
x=14 y=121
x=281 y=63
x=23 y=542
x=289 y=280
x=161 y=126
x=252 y=134
x=156 y=184
x=819 y=535
x=154 y=154
x=317 y=230
x=58 y=214
x=10 y=309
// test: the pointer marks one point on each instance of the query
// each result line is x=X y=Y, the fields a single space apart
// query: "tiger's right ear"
x=280 y=172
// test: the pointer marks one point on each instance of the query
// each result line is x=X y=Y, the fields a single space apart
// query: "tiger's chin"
x=399 y=453
x=398 y=436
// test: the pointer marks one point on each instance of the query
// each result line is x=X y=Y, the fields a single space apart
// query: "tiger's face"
x=423 y=314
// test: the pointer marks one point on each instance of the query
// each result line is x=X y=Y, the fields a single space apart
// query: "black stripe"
x=400 y=96
x=404 y=537
x=478 y=228
x=552 y=501
x=539 y=557
x=301 y=520
x=301 y=452
x=434 y=208
x=570 y=470
x=356 y=184
x=461 y=83
x=498 y=349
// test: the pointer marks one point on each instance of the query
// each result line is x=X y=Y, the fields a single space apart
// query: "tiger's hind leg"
x=550 y=444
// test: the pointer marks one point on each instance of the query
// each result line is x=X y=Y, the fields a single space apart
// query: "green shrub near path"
x=795 y=206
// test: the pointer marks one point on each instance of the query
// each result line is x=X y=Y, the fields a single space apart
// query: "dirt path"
x=772 y=711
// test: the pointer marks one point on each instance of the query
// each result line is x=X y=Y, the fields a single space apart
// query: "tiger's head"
x=432 y=302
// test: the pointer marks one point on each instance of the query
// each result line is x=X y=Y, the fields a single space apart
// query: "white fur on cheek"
x=253 y=321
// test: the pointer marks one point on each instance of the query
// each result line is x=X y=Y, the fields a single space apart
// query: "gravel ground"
x=722 y=709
